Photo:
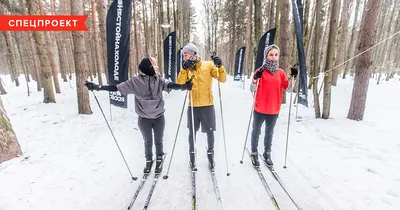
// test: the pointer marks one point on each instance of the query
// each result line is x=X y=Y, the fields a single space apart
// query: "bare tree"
x=258 y=26
x=330 y=59
x=50 y=53
x=350 y=51
x=364 y=62
x=284 y=38
x=98 y=56
x=11 y=57
x=43 y=57
x=9 y=145
x=342 y=41
x=317 y=108
x=272 y=14
x=81 y=65
x=249 y=45
x=102 y=7
x=36 y=64
x=136 y=36
x=277 y=23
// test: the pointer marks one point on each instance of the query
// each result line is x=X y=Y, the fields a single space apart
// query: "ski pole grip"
x=191 y=78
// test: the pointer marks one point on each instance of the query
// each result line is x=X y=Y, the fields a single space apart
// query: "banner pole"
x=110 y=111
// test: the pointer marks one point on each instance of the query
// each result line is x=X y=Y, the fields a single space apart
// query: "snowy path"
x=72 y=162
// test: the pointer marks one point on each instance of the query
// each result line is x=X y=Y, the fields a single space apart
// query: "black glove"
x=91 y=86
x=217 y=61
x=188 y=64
x=258 y=74
x=188 y=85
x=294 y=72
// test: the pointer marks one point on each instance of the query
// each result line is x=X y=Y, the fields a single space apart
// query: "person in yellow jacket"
x=203 y=105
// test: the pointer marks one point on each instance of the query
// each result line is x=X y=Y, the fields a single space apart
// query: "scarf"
x=271 y=66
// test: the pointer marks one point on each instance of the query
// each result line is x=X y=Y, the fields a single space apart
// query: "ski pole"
x=223 y=130
x=176 y=136
x=134 y=178
x=194 y=142
x=287 y=132
x=251 y=115
x=222 y=119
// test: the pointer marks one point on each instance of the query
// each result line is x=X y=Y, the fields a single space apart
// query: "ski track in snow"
x=70 y=161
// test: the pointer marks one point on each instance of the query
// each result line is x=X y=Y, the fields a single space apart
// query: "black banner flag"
x=169 y=56
x=118 y=28
x=238 y=75
x=266 y=40
x=302 y=92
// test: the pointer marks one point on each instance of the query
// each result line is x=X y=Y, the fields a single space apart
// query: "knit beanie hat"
x=146 y=68
x=190 y=48
x=270 y=47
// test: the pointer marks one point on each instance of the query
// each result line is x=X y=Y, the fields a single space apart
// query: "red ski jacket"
x=269 y=92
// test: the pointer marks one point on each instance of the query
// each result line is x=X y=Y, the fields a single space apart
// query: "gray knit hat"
x=270 y=47
x=190 y=48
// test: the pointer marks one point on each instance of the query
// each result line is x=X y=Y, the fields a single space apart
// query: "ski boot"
x=210 y=155
x=159 y=164
x=254 y=159
x=147 y=168
x=192 y=161
x=267 y=159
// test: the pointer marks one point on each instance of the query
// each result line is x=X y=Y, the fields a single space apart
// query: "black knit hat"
x=146 y=67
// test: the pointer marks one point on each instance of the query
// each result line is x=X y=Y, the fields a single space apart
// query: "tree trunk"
x=40 y=39
x=102 y=7
x=277 y=24
x=258 y=29
x=364 y=62
x=64 y=67
x=249 y=35
x=382 y=61
x=216 y=23
x=98 y=59
x=317 y=108
x=233 y=42
x=132 y=46
x=50 y=50
x=137 y=38
x=175 y=14
x=382 y=30
x=284 y=39
x=325 y=35
x=9 y=145
x=306 y=26
x=351 y=47
x=395 y=46
x=340 y=55
x=272 y=14
x=330 y=57
x=70 y=53
x=11 y=58
x=25 y=47
x=2 y=90
x=53 y=65
x=81 y=66
x=63 y=58
x=146 y=43
x=160 y=35
x=168 y=15
x=36 y=64
x=309 y=55
x=23 y=64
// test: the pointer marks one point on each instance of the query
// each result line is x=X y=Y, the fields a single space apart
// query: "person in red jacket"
x=269 y=81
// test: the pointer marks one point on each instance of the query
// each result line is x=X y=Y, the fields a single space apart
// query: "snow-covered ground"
x=70 y=161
